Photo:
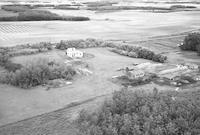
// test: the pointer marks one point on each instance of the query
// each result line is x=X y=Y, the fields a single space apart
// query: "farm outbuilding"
x=192 y=66
x=134 y=74
x=177 y=69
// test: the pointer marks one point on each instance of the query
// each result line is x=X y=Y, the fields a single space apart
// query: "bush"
x=191 y=42
x=138 y=52
x=37 y=73
x=12 y=67
x=198 y=50
x=41 y=45
x=3 y=59
x=159 y=58
x=7 y=52
x=88 y=43
x=16 y=8
x=126 y=50
x=37 y=15
x=23 y=52
x=66 y=7
x=43 y=5
x=76 y=18
x=40 y=15
x=181 y=6
x=130 y=113
x=5 y=62
x=27 y=49
x=8 y=18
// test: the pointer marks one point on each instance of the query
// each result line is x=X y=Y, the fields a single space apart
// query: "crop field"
x=7 y=28
x=122 y=25
x=11 y=31
x=18 y=33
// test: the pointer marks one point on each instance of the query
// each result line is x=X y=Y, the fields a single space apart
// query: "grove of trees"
x=192 y=43
x=131 y=113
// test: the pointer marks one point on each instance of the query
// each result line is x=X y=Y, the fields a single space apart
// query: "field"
x=42 y=111
x=123 y=25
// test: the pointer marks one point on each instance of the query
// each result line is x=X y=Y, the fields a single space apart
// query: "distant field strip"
x=8 y=28
x=12 y=31
x=4 y=38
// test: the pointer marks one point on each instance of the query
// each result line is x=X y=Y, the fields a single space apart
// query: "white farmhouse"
x=73 y=53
